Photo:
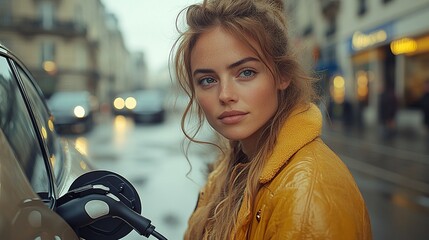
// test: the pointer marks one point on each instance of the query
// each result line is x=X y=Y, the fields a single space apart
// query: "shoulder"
x=315 y=194
x=314 y=164
x=315 y=179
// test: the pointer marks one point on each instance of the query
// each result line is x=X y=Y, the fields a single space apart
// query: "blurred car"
x=73 y=111
x=36 y=166
x=149 y=107
x=124 y=103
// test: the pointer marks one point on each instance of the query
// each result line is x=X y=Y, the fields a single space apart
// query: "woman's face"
x=233 y=87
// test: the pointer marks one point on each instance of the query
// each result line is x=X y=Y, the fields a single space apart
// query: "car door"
x=27 y=161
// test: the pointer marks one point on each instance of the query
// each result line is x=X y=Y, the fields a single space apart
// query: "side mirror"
x=104 y=205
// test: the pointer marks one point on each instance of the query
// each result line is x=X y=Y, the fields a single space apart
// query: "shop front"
x=372 y=72
x=386 y=61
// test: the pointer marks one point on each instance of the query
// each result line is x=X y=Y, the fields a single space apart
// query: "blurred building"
x=360 y=48
x=139 y=68
x=68 y=45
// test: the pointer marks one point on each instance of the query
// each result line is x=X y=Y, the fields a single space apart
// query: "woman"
x=276 y=179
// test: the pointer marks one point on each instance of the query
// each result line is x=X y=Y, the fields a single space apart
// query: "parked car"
x=73 y=111
x=48 y=190
x=150 y=106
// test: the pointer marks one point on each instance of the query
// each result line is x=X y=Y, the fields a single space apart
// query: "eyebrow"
x=233 y=65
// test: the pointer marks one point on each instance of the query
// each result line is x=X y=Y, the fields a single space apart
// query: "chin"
x=235 y=137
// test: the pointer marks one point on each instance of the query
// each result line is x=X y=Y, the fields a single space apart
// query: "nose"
x=227 y=92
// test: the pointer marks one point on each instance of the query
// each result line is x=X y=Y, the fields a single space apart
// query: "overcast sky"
x=148 y=26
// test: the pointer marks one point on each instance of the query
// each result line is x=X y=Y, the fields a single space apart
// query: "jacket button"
x=258 y=215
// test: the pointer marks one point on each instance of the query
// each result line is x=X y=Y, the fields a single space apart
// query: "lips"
x=232 y=117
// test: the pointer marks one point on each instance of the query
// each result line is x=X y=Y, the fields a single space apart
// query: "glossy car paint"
x=25 y=214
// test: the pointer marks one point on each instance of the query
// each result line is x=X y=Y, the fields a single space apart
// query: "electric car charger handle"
x=80 y=212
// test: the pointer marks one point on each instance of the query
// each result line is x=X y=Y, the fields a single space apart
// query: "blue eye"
x=206 y=81
x=247 y=73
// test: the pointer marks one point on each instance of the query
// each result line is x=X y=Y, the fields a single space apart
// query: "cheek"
x=266 y=100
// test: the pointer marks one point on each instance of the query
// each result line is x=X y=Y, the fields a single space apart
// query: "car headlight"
x=119 y=103
x=79 y=111
x=130 y=103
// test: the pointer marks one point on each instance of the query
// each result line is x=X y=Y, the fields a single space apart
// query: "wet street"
x=393 y=180
x=151 y=158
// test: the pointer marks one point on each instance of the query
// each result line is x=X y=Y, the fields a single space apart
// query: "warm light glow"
x=121 y=126
x=119 y=103
x=79 y=111
x=362 y=85
x=361 y=40
x=44 y=133
x=53 y=160
x=362 y=92
x=51 y=125
x=339 y=82
x=338 y=89
x=403 y=45
x=120 y=123
x=130 y=103
x=81 y=144
x=50 y=67
x=423 y=44
x=83 y=165
x=362 y=80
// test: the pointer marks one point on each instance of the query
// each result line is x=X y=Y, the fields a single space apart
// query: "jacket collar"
x=302 y=126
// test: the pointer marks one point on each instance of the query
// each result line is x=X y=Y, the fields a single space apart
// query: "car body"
x=144 y=106
x=73 y=111
x=36 y=166
x=149 y=107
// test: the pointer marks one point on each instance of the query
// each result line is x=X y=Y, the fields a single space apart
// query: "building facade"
x=364 y=47
x=68 y=45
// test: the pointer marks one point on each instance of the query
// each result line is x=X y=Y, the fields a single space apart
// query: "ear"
x=284 y=84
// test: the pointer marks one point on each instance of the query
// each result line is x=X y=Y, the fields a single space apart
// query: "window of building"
x=362 y=7
x=46 y=13
x=5 y=12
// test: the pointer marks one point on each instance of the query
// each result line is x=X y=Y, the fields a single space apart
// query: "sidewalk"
x=402 y=139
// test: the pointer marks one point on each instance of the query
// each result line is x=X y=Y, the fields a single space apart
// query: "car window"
x=44 y=121
x=16 y=123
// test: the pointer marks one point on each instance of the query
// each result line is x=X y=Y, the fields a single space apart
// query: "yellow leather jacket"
x=307 y=193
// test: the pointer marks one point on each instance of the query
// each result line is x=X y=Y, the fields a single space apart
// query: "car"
x=124 y=103
x=48 y=189
x=149 y=107
x=73 y=111
x=36 y=166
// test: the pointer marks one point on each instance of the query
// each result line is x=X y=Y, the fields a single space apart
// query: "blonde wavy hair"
x=265 y=23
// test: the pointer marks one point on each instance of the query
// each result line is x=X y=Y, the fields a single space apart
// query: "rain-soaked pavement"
x=393 y=175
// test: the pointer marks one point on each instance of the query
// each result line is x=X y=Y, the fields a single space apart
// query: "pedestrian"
x=276 y=179
x=347 y=114
x=387 y=108
x=424 y=102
